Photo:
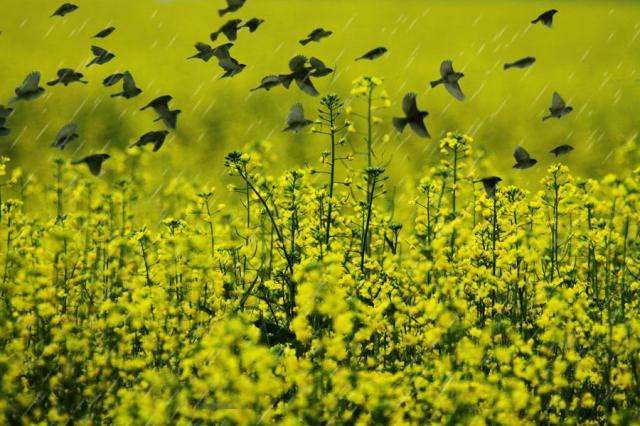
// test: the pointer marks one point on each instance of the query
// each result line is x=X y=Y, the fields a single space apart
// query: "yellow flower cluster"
x=293 y=306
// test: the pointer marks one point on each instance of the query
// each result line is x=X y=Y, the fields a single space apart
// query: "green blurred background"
x=590 y=57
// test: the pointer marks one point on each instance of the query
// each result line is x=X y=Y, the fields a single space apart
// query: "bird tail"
x=115 y=95
x=545 y=118
x=507 y=66
x=305 y=41
x=360 y=58
x=214 y=35
x=435 y=83
x=535 y=21
x=53 y=82
x=75 y=162
x=222 y=12
x=400 y=123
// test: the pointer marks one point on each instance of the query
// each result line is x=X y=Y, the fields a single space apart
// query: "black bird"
x=268 y=83
x=105 y=33
x=155 y=137
x=94 y=162
x=112 y=79
x=232 y=6
x=316 y=35
x=412 y=116
x=229 y=29
x=561 y=150
x=523 y=159
x=129 y=88
x=101 y=56
x=546 y=18
x=450 y=78
x=558 y=107
x=301 y=73
x=206 y=52
x=67 y=134
x=29 y=89
x=490 y=185
x=231 y=66
x=161 y=106
x=373 y=54
x=521 y=63
x=296 y=120
x=318 y=68
x=65 y=9
x=67 y=76
x=253 y=24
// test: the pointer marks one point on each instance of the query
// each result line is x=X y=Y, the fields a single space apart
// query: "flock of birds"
x=302 y=70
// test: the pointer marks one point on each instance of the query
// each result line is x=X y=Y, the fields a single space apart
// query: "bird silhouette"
x=30 y=88
x=229 y=29
x=316 y=35
x=561 y=150
x=296 y=120
x=65 y=9
x=521 y=63
x=161 y=106
x=232 y=6
x=101 y=56
x=129 y=88
x=491 y=185
x=105 y=33
x=206 y=52
x=373 y=54
x=156 y=138
x=67 y=134
x=253 y=24
x=523 y=159
x=94 y=162
x=450 y=79
x=412 y=116
x=67 y=76
x=559 y=107
x=546 y=18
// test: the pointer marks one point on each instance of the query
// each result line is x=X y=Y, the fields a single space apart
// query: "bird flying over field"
x=252 y=24
x=129 y=88
x=523 y=159
x=67 y=134
x=232 y=6
x=546 y=18
x=559 y=107
x=412 y=116
x=296 y=120
x=67 y=76
x=94 y=162
x=373 y=54
x=30 y=88
x=101 y=56
x=161 y=106
x=449 y=77
x=301 y=73
x=521 y=63
x=229 y=29
x=491 y=185
x=65 y=9
x=105 y=33
x=561 y=150
x=206 y=52
x=316 y=35
x=156 y=138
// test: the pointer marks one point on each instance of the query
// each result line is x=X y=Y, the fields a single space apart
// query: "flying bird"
x=67 y=76
x=450 y=78
x=373 y=54
x=491 y=185
x=105 y=33
x=316 y=35
x=521 y=63
x=253 y=24
x=29 y=89
x=301 y=73
x=101 y=56
x=546 y=18
x=318 y=68
x=559 y=107
x=94 y=162
x=229 y=29
x=206 y=52
x=561 y=150
x=129 y=88
x=161 y=106
x=268 y=83
x=412 y=116
x=65 y=9
x=523 y=159
x=67 y=134
x=232 y=6
x=296 y=120
x=155 y=137
x=231 y=66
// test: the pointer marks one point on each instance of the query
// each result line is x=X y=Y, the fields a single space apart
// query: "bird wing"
x=317 y=63
x=306 y=85
x=30 y=83
x=128 y=84
x=202 y=47
x=557 y=102
x=99 y=51
x=520 y=154
x=420 y=128
x=410 y=105
x=296 y=114
x=297 y=63
x=455 y=90
x=112 y=79
x=95 y=164
x=66 y=132
x=446 y=68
